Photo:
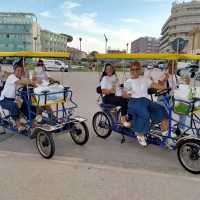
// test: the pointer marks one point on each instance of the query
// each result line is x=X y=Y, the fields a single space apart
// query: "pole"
x=106 y=40
x=127 y=48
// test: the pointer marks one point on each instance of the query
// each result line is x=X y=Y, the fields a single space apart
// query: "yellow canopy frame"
x=35 y=54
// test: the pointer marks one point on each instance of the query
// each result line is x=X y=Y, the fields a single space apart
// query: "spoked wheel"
x=189 y=155
x=45 y=143
x=80 y=135
x=101 y=124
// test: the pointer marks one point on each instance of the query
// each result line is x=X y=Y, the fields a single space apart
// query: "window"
x=199 y=17
x=174 y=34
x=57 y=63
x=7 y=36
x=187 y=26
x=175 y=19
x=187 y=17
x=6 y=45
x=174 y=27
x=176 y=11
x=188 y=9
x=15 y=45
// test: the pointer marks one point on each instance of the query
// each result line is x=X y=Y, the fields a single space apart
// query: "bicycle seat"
x=152 y=91
x=98 y=90
x=104 y=105
x=196 y=98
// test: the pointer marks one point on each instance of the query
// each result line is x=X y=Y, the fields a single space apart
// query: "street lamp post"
x=24 y=43
x=106 y=40
x=127 y=48
x=80 y=39
x=35 y=38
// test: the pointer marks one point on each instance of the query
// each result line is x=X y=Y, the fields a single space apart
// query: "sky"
x=122 y=21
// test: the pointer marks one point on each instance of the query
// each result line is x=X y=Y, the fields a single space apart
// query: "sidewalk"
x=28 y=176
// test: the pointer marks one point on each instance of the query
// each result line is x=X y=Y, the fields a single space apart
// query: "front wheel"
x=45 y=143
x=80 y=135
x=62 y=69
x=101 y=124
x=189 y=155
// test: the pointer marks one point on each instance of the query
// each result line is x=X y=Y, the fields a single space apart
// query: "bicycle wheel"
x=189 y=155
x=45 y=143
x=80 y=135
x=101 y=124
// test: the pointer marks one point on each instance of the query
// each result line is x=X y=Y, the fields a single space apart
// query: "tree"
x=93 y=53
x=69 y=37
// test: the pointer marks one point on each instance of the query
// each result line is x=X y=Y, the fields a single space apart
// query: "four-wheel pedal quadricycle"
x=59 y=97
x=186 y=143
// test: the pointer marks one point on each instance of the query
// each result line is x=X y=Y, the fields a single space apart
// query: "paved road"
x=99 y=150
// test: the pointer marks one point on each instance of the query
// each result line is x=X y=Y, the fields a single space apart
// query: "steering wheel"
x=29 y=87
x=52 y=83
x=163 y=92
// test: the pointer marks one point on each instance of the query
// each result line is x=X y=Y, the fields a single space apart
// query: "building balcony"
x=47 y=38
x=3 y=30
x=186 y=38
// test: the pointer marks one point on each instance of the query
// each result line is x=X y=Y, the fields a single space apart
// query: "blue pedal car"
x=61 y=124
x=187 y=143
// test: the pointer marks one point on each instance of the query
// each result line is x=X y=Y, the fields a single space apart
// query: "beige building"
x=184 y=17
x=76 y=54
x=53 y=42
x=194 y=41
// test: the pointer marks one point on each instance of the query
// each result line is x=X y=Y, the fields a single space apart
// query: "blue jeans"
x=182 y=118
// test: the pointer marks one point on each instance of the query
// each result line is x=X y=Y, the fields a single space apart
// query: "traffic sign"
x=178 y=45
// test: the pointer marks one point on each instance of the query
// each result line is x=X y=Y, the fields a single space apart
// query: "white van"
x=55 y=65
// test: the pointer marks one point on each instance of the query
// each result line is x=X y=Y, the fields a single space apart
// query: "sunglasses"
x=40 y=64
x=136 y=69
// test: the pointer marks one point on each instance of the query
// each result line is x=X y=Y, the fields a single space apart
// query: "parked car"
x=7 y=61
x=54 y=65
x=150 y=66
x=75 y=67
x=193 y=69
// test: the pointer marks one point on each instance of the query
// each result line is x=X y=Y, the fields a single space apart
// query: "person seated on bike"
x=167 y=80
x=108 y=87
x=45 y=76
x=8 y=95
x=143 y=108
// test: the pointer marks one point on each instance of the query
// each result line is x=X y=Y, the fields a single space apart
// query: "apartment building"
x=145 y=45
x=19 y=32
x=194 y=41
x=53 y=42
x=184 y=17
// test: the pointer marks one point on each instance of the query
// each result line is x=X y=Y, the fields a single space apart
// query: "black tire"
x=101 y=116
x=81 y=133
x=45 y=140
x=191 y=148
x=62 y=69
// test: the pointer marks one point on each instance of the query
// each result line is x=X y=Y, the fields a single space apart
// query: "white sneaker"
x=141 y=140
x=173 y=135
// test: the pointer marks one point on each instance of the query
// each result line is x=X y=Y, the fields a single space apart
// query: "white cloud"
x=132 y=20
x=117 y=38
x=46 y=14
x=69 y=5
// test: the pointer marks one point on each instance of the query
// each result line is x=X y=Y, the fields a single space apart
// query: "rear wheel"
x=80 y=135
x=189 y=155
x=101 y=124
x=45 y=143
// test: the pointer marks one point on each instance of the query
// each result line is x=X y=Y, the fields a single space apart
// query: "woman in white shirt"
x=143 y=108
x=8 y=95
x=167 y=80
x=108 y=86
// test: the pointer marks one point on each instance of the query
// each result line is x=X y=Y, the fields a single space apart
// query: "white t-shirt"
x=45 y=76
x=2 y=77
x=140 y=86
x=176 y=82
x=10 y=87
x=106 y=83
